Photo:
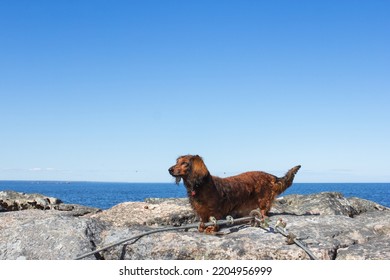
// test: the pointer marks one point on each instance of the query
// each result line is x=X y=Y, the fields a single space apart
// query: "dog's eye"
x=185 y=164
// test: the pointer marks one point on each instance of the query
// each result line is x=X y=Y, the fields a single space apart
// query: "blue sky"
x=116 y=90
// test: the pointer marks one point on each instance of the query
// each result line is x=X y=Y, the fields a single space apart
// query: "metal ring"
x=213 y=220
x=256 y=215
x=229 y=220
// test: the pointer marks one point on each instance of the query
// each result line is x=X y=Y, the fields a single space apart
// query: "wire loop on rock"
x=254 y=218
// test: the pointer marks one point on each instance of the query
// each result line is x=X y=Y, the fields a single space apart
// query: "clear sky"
x=117 y=90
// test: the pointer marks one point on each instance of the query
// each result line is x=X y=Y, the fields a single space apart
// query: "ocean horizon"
x=105 y=195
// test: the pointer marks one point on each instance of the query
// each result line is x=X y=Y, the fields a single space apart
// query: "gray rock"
x=327 y=223
x=326 y=203
x=324 y=235
x=245 y=243
x=176 y=201
x=362 y=205
x=331 y=226
x=16 y=201
x=46 y=235
x=154 y=212
x=77 y=210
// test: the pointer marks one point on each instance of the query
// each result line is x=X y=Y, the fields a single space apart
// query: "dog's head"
x=190 y=168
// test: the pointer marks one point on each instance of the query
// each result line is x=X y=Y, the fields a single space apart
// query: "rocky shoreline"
x=333 y=227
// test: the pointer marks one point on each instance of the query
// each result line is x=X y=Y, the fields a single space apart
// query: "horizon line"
x=162 y=182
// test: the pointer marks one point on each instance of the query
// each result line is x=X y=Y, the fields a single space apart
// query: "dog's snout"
x=170 y=170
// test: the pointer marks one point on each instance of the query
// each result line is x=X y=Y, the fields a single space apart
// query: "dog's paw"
x=211 y=230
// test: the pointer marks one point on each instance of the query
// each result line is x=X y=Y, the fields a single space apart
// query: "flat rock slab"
x=153 y=212
x=45 y=235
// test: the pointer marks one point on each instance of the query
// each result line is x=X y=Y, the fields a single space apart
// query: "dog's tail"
x=286 y=181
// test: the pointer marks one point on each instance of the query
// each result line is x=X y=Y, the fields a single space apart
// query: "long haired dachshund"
x=211 y=196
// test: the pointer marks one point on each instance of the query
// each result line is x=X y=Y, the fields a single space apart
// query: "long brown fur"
x=236 y=196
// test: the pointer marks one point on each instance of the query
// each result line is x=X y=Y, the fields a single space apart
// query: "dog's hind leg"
x=264 y=208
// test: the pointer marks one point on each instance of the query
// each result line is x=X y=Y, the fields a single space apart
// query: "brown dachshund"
x=211 y=196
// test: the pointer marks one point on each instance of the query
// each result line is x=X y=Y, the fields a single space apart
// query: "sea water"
x=104 y=195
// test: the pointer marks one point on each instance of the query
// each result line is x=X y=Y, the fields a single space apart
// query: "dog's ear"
x=198 y=169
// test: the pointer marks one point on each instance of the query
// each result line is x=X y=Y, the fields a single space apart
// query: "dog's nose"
x=170 y=170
